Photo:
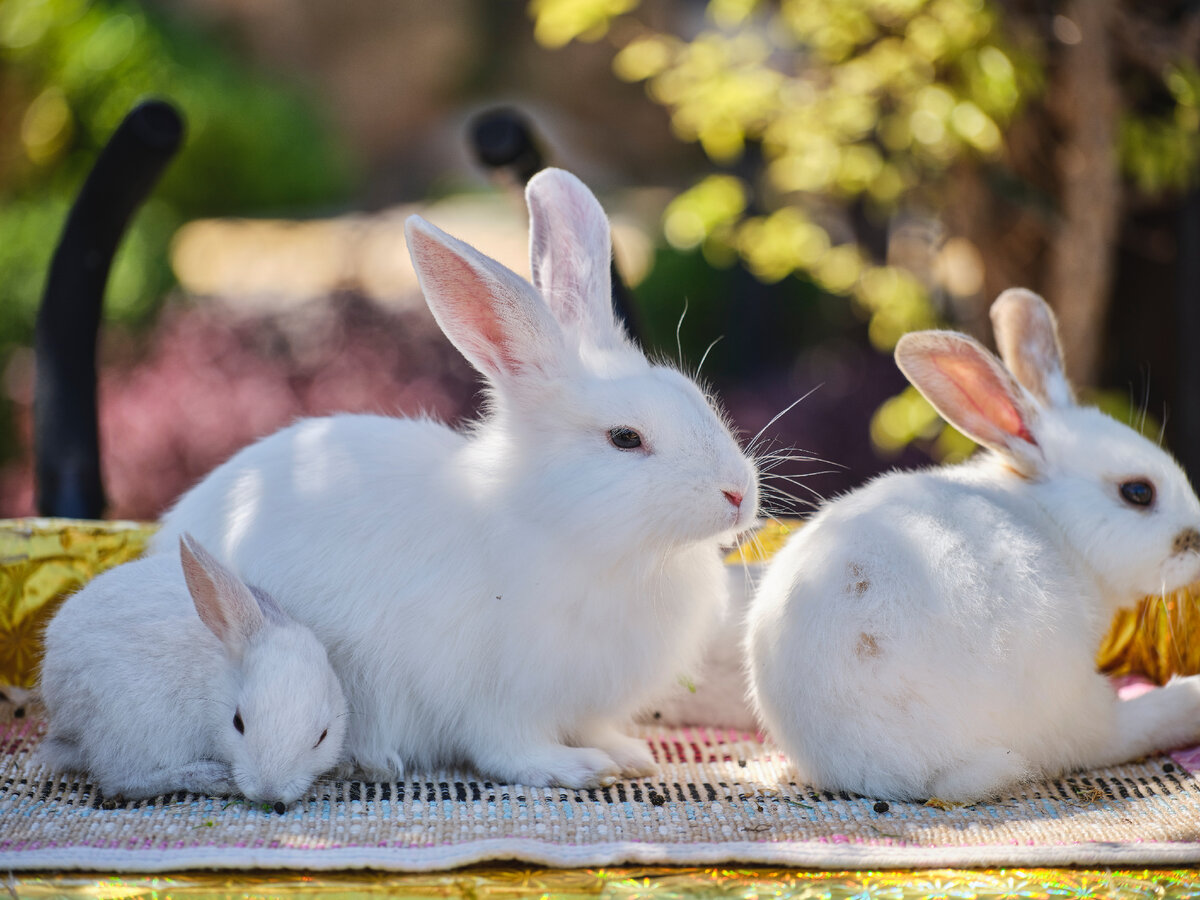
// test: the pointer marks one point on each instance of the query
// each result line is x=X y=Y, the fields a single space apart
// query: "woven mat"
x=720 y=797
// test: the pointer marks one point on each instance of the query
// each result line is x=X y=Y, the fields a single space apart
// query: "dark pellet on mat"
x=19 y=712
x=881 y=806
x=657 y=799
x=1168 y=767
x=742 y=763
x=279 y=807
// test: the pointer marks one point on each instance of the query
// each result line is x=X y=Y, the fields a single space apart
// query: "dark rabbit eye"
x=1137 y=493
x=321 y=739
x=624 y=438
x=238 y=723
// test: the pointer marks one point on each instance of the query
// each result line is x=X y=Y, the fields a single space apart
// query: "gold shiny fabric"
x=492 y=882
x=41 y=562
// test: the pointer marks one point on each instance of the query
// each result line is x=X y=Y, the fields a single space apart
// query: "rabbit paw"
x=390 y=768
x=207 y=776
x=632 y=755
x=555 y=765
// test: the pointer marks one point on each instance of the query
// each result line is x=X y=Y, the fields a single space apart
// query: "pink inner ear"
x=204 y=594
x=472 y=317
x=982 y=392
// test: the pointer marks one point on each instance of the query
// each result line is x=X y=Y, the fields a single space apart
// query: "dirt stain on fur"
x=859 y=584
x=867 y=647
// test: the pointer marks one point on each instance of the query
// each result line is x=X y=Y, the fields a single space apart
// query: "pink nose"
x=733 y=497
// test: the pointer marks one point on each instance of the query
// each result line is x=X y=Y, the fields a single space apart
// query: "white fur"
x=933 y=633
x=508 y=594
x=142 y=693
x=717 y=694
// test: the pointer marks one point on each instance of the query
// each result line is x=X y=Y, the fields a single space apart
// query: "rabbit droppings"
x=933 y=633
x=509 y=594
x=220 y=692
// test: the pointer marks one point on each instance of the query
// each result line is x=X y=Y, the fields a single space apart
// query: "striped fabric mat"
x=720 y=797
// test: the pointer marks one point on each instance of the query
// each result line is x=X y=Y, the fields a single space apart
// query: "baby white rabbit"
x=933 y=633
x=153 y=691
x=509 y=594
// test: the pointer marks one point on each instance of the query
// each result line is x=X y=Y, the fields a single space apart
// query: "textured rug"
x=720 y=797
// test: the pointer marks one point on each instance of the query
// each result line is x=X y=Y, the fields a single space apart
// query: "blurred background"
x=808 y=178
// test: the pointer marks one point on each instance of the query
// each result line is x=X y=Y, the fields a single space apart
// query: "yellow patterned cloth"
x=44 y=560
x=41 y=562
x=491 y=882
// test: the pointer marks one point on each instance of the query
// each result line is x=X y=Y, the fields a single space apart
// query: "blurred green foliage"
x=858 y=108
x=69 y=71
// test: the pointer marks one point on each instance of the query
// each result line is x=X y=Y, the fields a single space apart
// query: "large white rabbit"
x=509 y=594
x=933 y=633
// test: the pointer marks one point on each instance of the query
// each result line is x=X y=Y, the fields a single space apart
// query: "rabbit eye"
x=238 y=723
x=624 y=438
x=321 y=739
x=1137 y=493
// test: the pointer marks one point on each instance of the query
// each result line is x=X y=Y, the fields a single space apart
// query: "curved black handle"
x=66 y=440
x=503 y=141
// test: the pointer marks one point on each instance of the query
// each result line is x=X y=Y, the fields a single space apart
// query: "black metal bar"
x=66 y=433
x=504 y=143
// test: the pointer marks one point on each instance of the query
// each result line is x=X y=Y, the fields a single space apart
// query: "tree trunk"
x=1080 y=269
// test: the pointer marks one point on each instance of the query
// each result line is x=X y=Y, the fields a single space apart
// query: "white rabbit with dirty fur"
x=933 y=633
x=505 y=595
x=159 y=677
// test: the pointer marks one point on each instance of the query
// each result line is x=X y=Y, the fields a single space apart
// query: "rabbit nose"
x=734 y=497
x=1188 y=539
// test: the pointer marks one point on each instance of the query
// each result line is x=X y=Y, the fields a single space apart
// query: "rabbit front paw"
x=632 y=755
x=554 y=765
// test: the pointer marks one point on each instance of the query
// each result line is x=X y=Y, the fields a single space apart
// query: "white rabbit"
x=150 y=697
x=717 y=694
x=505 y=595
x=933 y=633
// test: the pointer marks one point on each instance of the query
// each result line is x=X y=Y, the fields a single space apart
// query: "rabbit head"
x=582 y=432
x=1117 y=500
x=287 y=722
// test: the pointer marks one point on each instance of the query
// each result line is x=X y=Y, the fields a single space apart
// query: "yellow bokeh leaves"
x=695 y=215
x=47 y=126
x=558 y=22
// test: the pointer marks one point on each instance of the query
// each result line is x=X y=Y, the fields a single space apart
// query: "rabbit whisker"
x=1145 y=406
x=706 y=352
x=678 y=329
x=754 y=440
x=795 y=482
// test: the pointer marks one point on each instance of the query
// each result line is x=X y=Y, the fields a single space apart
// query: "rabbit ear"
x=222 y=600
x=1027 y=337
x=973 y=392
x=570 y=251
x=492 y=315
